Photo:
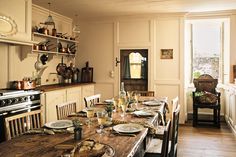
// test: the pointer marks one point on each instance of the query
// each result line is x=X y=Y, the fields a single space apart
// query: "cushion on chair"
x=155 y=146
x=206 y=98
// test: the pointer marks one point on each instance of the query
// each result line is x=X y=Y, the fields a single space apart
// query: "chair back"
x=205 y=83
x=175 y=131
x=21 y=123
x=92 y=100
x=174 y=103
x=65 y=109
x=146 y=93
x=165 y=141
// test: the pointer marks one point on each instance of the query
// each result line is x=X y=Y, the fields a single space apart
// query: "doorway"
x=134 y=69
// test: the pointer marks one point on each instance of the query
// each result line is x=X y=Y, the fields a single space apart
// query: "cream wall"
x=18 y=62
x=102 y=39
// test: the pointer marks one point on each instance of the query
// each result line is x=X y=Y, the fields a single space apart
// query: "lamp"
x=76 y=28
x=49 y=20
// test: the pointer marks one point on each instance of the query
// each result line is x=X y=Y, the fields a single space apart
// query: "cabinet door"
x=21 y=12
x=74 y=94
x=87 y=90
x=52 y=99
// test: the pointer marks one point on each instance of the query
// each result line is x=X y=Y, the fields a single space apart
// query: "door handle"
x=117 y=61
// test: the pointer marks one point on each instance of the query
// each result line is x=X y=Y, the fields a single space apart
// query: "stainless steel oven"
x=13 y=102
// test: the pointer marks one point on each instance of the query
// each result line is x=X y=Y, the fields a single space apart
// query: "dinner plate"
x=59 y=124
x=93 y=108
x=152 y=103
x=142 y=113
x=128 y=128
x=109 y=101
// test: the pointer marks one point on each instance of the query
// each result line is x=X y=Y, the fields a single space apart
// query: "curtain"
x=126 y=73
x=144 y=69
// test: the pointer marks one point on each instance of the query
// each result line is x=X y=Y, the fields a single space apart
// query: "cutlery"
x=122 y=134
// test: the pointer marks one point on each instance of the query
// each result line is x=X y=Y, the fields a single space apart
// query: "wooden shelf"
x=52 y=52
x=53 y=37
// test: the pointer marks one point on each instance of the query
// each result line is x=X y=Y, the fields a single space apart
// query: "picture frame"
x=166 y=53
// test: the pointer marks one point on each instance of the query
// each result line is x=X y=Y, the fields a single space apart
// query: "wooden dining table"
x=44 y=145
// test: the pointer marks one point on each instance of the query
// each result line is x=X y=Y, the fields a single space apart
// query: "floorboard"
x=205 y=141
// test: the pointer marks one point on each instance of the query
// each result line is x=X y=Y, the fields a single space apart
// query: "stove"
x=13 y=102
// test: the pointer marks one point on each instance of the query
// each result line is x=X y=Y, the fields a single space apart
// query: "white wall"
x=102 y=39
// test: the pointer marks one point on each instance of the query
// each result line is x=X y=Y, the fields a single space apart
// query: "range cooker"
x=13 y=102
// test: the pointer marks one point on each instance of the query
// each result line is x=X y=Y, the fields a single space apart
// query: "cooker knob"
x=23 y=99
x=2 y=102
x=32 y=97
x=9 y=101
x=16 y=100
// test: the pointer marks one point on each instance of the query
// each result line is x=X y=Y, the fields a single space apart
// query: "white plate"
x=93 y=108
x=142 y=113
x=152 y=103
x=59 y=124
x=109 y=101
x=128 y=128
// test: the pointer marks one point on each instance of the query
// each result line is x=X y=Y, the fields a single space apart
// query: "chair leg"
x=195 y=118
x=215 y=116
x=218 y=122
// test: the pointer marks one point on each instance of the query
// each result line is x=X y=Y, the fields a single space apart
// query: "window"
x=207 y=47
x=136 y=60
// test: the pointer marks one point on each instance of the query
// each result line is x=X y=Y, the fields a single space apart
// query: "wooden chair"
x=146 y=93
x=92 y=100
x=21 y=123
x=65 y=109
x=174 y=129
x=203 y=97
x=175 y=132
x=157 y=147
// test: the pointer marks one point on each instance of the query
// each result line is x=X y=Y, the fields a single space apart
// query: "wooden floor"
x=206 y=141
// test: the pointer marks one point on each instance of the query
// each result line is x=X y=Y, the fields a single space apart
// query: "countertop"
x=46 y=88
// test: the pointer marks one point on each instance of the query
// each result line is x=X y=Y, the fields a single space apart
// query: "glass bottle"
x=122 y=93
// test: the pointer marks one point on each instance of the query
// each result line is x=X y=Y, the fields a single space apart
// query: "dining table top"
x=44 y=145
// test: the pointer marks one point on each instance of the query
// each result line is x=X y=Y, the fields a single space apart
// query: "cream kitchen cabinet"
x=87 y=90
x=230 y=106
x=74 y=94
x=18 y=18
x=50 y=99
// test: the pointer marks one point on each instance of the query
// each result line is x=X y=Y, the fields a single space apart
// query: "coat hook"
x=117 y=61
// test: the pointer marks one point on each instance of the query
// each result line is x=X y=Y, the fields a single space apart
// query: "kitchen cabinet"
x=74 y=94
x=230 y=106
x=50 y=99
x=87 y=90
x=17 y=28
x=55 y=45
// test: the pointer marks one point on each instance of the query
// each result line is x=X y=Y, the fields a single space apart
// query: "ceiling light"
x=76 y=28
x=49 y=20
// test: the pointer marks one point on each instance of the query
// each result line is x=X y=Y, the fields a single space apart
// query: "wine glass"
x=115 y=103
x=124 y=108
x=136 y=99
x=101 y=116
x=90 y=114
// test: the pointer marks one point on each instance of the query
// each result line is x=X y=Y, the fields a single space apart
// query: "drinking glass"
x=101 y=116
x=115 y=103
x=136 y=98
x=124 y=108
x=90 y=114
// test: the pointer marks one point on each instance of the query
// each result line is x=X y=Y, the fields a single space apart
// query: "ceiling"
x=101 y=8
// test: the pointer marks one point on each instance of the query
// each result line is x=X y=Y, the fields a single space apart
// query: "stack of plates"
x=128 y=128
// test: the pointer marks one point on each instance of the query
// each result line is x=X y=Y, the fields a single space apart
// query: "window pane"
x=206 y=48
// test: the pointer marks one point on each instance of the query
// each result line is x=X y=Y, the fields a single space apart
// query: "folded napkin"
x=50 y=131
x=78 y=114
